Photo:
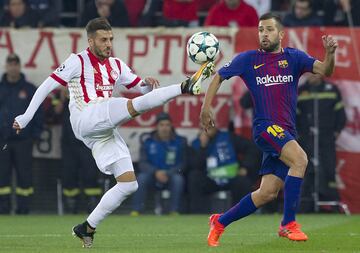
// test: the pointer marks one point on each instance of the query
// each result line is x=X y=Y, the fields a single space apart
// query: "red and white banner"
x=155 y=52
x=161 y=53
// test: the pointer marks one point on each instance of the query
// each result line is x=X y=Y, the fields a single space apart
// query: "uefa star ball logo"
x=202 y=47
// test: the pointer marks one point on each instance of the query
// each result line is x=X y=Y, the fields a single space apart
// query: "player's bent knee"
x=301 y=160
x=128 y=188
x=132 y=187
x=133 y=113
x=294 y=156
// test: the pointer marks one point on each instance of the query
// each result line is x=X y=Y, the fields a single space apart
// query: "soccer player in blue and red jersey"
x=271 y=73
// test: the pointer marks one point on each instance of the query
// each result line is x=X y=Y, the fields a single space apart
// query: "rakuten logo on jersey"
x=104 y=87
x=274 y=80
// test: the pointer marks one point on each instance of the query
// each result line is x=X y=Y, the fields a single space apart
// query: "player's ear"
x=282 y=34
x=91 y=41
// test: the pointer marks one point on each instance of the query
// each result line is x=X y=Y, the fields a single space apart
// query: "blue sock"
x=292 y=190
x=243 y=208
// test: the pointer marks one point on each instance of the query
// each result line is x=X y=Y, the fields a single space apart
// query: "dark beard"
x=100 y=54
x=273 y=47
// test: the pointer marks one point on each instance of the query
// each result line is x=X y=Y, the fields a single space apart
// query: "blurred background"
x=46 y=170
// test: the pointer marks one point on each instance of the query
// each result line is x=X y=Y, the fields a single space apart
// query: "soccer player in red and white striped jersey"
x=91 y=77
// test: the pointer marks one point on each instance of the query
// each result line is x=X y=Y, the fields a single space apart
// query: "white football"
x=202 y=47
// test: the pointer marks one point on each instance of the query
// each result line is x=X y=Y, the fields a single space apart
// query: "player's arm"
x=235 y=67
x=41 y=93
x=206 y=116
x=326 y=67
x=143 y=86
x=147 y=85
x=69 y=69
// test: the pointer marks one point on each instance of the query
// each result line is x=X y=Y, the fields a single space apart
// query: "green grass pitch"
x=186 y=233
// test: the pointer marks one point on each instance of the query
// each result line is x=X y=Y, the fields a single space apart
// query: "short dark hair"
x=97 y=24
x=13 y=58
x=270 y=15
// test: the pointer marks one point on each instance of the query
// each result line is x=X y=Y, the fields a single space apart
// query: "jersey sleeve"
x=234 y=68
x=305 y=62
x=68 y=70
x=127 y=78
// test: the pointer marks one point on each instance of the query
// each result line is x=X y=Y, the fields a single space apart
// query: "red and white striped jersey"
x=89 y=79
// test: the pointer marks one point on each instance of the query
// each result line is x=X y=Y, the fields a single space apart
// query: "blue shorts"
x=271 y=138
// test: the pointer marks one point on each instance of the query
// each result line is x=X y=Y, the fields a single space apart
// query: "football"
x=202 y=47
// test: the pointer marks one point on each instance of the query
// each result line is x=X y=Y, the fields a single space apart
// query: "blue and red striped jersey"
x=272 y=79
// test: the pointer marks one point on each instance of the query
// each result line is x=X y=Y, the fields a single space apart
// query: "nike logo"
x=258 y=66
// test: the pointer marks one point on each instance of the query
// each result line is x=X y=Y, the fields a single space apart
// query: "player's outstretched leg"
x=157 y=97
x=160 y=96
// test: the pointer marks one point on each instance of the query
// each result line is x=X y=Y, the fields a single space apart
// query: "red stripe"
x=135 y=82
x=111 y=80
x=118 y=64
x=58 y=79
x=108 y=70
x=268 y=138
x=82 y=80
x=98 y=81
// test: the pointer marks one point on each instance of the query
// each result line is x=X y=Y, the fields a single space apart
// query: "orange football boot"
x=216 y=229
x=292 y=231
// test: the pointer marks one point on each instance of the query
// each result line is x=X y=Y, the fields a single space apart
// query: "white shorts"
x=93 y=126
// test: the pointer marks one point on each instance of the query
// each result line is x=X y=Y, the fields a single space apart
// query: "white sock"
x=110 y=201
x=156 y=98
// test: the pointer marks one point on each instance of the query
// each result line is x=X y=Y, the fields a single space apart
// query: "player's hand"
x=150 y=81
x=207 y=119
x=17 y=127
x=329 y=43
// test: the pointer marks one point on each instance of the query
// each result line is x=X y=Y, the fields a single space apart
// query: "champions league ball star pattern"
x=202 y=47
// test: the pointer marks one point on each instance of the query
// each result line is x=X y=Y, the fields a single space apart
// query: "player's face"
x=101 y=43
x=164 y=129
x=270 y=35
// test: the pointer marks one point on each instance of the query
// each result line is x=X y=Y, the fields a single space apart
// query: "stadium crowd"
x=187 y=168
x=188 y=13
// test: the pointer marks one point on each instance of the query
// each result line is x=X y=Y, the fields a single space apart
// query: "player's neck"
x=100 y=58
x=275 y=51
